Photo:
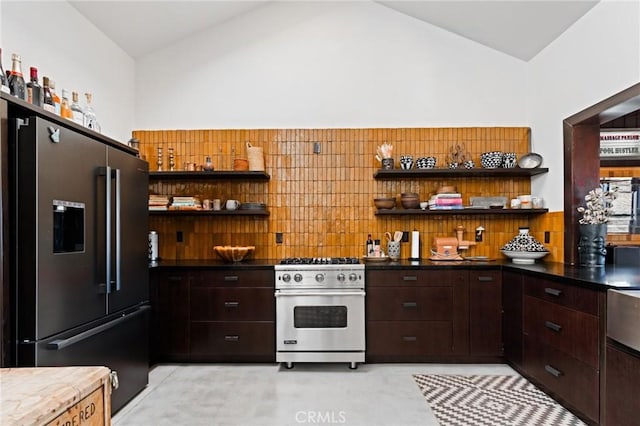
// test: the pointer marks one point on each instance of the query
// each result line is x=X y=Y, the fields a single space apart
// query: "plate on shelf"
x=478 y=258
x=375 y=259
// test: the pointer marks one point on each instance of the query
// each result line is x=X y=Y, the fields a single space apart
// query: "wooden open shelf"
x=454 y=173
x=214 y=175
x=248 y=212
x=492 y=212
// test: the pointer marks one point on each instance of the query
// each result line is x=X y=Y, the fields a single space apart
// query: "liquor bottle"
x=36 y=89
x=47 y=98
x=65 y=107
x=90 y=120
x=369 y=246
x=4 y=84
x=17 y=85
x=76 y=111
x=55 y=97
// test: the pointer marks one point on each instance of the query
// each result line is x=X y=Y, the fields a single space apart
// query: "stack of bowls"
x=410 y=200
x=491 y=159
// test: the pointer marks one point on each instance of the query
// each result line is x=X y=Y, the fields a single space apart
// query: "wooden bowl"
x=233 y=253
x=384 y=203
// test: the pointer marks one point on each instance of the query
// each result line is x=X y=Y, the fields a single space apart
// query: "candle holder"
x=172 y=163
x=159 y=162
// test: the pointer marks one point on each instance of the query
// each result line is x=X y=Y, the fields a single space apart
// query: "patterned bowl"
x=524 y=257
x=492 y=159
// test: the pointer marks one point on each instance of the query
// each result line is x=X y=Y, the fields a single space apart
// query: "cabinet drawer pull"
x=409 y=338
x=484 y=278
x=553 y=371
x=553 y=326
x=231 y=278
x=231 y=304
x=174 y=278
x=410 y=278
x=409 y=304
x=231 y=338
x=553 y=291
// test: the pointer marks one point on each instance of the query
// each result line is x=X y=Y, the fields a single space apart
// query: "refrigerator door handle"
x=118 y=236
x=64 y=343
x=108 y=227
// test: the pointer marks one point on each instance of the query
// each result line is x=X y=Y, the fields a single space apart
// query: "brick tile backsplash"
x=323 y=203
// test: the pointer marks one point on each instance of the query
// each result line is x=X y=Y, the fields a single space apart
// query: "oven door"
x=320 y=320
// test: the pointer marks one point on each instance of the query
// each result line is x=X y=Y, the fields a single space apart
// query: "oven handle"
x=319 y=293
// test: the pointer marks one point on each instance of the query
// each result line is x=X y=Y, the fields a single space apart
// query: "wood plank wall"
x=323 y=203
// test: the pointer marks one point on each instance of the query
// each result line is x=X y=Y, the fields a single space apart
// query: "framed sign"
x=619 y=143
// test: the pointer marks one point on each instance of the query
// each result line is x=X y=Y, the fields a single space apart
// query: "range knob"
x=353 y=276
x=341 y=277
x=297 y=278
x=286 y=278
x=319 y=278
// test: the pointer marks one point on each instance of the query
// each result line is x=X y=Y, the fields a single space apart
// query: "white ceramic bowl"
x=424 y=205
x=524 y=257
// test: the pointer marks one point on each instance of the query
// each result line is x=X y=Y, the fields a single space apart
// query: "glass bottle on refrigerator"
x=56 y=99
x=76 y=110
x=90 y=120
x=65 y=106
x=34 y=87
x=17 y=86
x=47 y=97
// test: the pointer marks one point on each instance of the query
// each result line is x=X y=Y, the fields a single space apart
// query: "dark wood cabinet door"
x=622 y=386
x=485 y=313
x=575 y=383
x=512 y=316
x=417 y=315
x=170 y=315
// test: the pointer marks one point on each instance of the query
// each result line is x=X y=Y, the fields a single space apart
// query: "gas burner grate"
x=320 y=261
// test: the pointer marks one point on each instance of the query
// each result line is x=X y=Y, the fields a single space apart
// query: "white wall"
x=63 y=45
x=595 y=58
x=319 y=64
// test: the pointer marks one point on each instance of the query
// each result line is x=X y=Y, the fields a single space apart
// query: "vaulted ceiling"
x=518 y=28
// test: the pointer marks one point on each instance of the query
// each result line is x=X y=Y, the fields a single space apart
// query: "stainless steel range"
x=320 y=310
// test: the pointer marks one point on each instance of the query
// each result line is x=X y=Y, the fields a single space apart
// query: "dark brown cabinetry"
x=623 y=386
x=169 y=295
x=233 y=316
x=221 y=315
x=417 y=315
x=485 y=313
x=562 y=340
x=512 y=283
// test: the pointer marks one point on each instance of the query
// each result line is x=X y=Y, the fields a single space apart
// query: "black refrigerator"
x=79 y=253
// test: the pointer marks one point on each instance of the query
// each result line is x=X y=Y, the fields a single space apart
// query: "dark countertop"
x=601 y=279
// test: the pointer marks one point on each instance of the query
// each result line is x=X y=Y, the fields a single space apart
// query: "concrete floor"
x=271 y=395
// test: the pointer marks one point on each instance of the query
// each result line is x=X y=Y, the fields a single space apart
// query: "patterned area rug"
x=491 y=401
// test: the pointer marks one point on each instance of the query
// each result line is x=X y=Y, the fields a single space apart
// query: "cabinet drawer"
x=573 y=332
x=233 y=338
x=402 y=338
x=577 y=298
x=410 y=303
x=570 y=379
x=232 y=304
x=236 y=278
x=405 y=277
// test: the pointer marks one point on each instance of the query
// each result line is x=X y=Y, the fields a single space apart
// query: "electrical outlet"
x=405 y=237
x=179 y=237
x=279 y=237
x=547 y=237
